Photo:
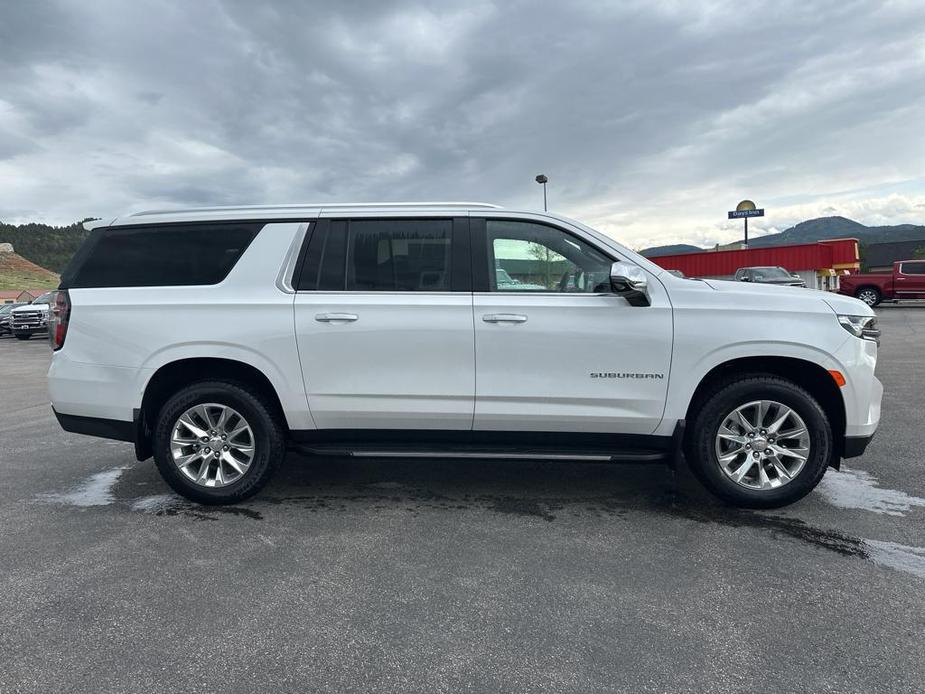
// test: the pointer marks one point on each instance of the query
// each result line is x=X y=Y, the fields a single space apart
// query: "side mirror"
x=745 y=278
x=630 y=282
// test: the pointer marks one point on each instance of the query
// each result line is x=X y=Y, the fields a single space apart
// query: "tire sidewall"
x=869 y=289
x=711 y=416
x=264 y=428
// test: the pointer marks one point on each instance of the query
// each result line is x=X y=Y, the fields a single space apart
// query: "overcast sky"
x=651 y=119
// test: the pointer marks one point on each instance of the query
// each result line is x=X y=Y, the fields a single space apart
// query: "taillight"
x=59 y=318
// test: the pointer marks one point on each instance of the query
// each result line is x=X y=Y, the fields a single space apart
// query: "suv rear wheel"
x=760 y=442
x=217 y=442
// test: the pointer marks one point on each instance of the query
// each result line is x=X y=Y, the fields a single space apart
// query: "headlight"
x=864 y=327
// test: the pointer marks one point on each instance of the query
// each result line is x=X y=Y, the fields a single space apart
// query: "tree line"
x=49 y=246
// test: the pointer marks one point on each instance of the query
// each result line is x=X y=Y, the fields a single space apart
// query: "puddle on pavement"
x=896 y=556
x=858 y=489
x=853 y=489
x=96 y=490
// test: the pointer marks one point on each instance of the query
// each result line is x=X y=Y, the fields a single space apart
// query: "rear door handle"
x=336 y=317
x=504 y=318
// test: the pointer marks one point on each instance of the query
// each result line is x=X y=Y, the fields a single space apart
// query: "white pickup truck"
x=26 y=321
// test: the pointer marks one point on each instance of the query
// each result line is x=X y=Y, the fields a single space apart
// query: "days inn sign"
x=746 y=208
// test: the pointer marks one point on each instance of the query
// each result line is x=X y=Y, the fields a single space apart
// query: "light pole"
x=541 y=179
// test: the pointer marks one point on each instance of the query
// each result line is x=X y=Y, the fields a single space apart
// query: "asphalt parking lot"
x=429 y=575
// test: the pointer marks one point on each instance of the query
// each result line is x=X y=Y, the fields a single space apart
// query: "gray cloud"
x=649 y=118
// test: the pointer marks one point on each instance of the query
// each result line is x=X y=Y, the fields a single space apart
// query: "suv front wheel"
x=217 y=442
x=760 y=442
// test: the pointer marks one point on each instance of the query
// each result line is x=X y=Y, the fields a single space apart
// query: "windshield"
x=771 y=273
x=5 y=309
x=44 y=299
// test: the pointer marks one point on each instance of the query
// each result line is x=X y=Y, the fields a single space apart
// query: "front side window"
x=912 y=268
x=529 y=257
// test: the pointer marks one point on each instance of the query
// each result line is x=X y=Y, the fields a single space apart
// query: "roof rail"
x=318 y=206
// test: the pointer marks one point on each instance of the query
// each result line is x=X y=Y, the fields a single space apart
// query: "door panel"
x=402 y=360
x=910 y=280
x=383 y=344
x=577 y=363
x=555 y=351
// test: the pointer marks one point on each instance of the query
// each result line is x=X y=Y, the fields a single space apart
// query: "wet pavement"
x=434 y=575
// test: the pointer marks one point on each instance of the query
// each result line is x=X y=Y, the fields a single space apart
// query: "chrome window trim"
x=528 y=293
x=287 y=271
x=410 y=292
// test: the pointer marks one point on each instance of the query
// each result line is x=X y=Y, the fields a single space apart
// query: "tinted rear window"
x=159 y=256
x=373 y=255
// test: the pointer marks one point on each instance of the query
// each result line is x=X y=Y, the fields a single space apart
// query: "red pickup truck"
x=907 y=281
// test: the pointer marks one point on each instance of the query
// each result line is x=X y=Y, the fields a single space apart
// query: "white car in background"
x=215 y=338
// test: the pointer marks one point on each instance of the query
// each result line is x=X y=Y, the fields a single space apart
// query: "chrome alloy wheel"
x=762 y=445
x=212 y=445
x=868 y=296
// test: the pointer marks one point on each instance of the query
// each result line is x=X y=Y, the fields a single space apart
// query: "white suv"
x=215 y=338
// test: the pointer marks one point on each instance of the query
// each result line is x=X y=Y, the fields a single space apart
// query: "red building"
x=819 y=263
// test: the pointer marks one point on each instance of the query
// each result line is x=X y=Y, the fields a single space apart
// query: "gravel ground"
x=450 y=576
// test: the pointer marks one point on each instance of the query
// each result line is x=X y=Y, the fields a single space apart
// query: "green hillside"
x=18 y=273
x=47 y=246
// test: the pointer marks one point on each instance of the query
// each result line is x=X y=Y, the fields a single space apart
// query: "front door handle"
x=336 y=317
x=504 y=318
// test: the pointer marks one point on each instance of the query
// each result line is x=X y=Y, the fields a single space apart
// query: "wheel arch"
x=867 y=285
x=807 y=374
x=172 y=376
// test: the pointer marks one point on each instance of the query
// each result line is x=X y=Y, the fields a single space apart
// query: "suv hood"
x=767 y=288
x=770 y=294
x=847 y=305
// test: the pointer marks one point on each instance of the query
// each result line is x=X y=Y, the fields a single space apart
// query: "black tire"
x=725 y=398
x=23 y=336
x=266 y=424
x=873 y=292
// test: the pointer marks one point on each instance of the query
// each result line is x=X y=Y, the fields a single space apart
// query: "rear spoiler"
x=92 y=224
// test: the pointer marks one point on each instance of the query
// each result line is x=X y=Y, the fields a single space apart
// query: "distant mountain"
x=839 y=227
x=48 y=246
x=814 y=230
x=672 y=249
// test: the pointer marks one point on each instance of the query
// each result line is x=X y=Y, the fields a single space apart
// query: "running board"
x=578 y=456
x=510 y=445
